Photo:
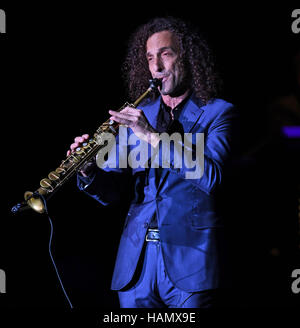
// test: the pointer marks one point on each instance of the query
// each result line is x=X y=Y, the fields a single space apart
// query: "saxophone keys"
x=60 y=170
x=91 y=142
x=79 y=150
x=53 y=176
x=86 y=145
x=46 y=183
x=42 y=191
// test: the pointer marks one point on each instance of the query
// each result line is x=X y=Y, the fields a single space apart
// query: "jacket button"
x=159 y=198
x=146 y=224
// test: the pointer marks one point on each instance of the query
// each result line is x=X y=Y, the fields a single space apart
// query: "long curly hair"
x=195 y=55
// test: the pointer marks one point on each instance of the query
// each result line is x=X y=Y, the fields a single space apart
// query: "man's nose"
x=158 y=65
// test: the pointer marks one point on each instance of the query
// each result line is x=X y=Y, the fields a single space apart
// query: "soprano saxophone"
x=74 y=162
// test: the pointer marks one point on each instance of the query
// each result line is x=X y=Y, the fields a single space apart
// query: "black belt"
x=152 y=235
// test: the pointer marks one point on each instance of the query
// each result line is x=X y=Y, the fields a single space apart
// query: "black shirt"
x=165 y=121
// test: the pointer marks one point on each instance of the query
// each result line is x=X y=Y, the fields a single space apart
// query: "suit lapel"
x=189 y=117
x=191 y=113
x=151 y=112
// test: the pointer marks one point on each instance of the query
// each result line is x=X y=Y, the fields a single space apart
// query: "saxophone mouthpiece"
x=155 y=83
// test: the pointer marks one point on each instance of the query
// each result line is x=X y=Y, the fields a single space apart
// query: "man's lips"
x=162 y=78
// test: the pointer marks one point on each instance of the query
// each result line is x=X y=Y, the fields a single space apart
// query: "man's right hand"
x=78 y=141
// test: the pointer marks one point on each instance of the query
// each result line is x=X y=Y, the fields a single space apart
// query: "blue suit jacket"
x=191 y=229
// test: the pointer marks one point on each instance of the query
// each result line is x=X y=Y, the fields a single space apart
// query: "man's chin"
x=165 y=91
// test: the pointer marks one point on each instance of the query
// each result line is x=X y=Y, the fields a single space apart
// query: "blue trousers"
x=153 y=289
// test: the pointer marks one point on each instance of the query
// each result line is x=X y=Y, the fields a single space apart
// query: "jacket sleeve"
x=108 y=184
x=107 y=187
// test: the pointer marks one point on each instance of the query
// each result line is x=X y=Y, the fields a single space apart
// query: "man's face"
x=163 y=60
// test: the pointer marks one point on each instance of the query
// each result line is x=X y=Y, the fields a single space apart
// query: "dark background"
x=60 y=73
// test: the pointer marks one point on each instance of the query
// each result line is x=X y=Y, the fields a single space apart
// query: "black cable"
x=50 y=252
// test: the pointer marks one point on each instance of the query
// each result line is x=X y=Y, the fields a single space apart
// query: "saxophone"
x=74 y=162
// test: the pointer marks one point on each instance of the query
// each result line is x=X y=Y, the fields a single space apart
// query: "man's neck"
x=172 y=102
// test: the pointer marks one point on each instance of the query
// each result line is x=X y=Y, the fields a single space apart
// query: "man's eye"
x=149 y=59
x=166 y=54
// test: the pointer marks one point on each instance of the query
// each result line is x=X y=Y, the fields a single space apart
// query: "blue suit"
x=191 y=229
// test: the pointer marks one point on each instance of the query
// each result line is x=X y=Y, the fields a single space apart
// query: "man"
x=172 y=250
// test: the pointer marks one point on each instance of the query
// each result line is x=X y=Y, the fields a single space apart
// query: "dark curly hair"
x=195 y=56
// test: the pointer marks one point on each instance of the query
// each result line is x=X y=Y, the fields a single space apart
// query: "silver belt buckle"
x=149 y=230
